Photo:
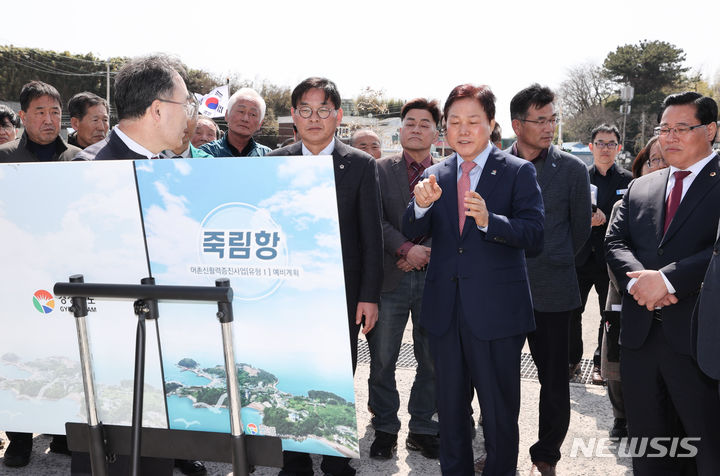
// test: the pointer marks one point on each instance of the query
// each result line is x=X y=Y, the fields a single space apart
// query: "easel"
x=105 y=442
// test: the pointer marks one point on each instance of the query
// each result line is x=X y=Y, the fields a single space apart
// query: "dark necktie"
x=463 y=186
x=673 y=201
x=416 y=171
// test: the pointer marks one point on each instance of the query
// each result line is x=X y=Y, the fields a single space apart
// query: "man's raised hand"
x=427 y=191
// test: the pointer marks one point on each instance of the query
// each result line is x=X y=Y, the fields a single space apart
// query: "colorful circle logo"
x=43 y=301
x=211 y=103
x=252 y=428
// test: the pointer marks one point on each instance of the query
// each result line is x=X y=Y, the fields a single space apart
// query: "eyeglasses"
x=605 y=145
x=655 y=163
x=306 y=112
x=680 y=130
x=543 y=122
x=190 y=105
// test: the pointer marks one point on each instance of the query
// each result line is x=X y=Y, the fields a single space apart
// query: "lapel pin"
x=712 y=174
x=554 y=164
x=494 y=172
x=342 y=166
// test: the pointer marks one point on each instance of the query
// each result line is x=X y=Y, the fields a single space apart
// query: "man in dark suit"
x=483 y=209
x=403 y=282
x=658 y=248
x=611 y=181
x=316 y=112
x=707 y=318
x=153 y=105
x=565 y=187
x=40 y=111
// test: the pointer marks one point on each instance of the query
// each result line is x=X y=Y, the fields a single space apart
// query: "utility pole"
x=107 y=81
x=626 y=95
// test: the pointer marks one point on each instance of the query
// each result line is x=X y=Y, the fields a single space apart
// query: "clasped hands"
x=417 y=257
x=428 y=191
x=650 y=290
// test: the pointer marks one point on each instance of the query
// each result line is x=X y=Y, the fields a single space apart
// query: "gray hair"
x=250 y=94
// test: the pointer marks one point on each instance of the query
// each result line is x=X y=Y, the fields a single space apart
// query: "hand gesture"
x=476 y=208
x=427 y=191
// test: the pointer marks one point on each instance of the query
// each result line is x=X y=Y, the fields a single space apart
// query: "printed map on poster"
x=58 y=219
x=270 y=226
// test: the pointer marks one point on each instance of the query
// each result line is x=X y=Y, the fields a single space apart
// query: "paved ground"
x=591 y=417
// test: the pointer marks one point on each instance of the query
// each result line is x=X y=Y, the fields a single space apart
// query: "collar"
x=427 y=161
x=542 y=155
x=328 y=150
x=696 y=167
x=480 y=160
x=186 y=154
x=131 y=144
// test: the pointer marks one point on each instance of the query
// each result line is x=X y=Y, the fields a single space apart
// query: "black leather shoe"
x=619 y=429
x=190 y=467
x=383 y=446
x=427 y=445
x=58 y=445
x=17 y=454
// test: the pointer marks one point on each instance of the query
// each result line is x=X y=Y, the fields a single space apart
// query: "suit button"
x=716 y=252
x=661 y=251
x=460 y=250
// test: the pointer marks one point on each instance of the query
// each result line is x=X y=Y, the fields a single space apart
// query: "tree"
x=586 y=88
x=371 y=101
x=654 y=69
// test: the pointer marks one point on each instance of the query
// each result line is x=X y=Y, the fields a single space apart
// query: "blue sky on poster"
x=272 y=333
x=408 y=48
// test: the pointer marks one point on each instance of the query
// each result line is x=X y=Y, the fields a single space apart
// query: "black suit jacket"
x=635 y=241
x=707 y=317
x=595 y=245
x=358 y=201
x=110 y=148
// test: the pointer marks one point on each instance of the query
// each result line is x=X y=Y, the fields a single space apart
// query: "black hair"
x=81 y=102
x=328 y=87
x=36 y=89
x=534 y=95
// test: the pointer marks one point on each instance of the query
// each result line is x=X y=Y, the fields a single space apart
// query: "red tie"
x=463 y=186
x=673 y=201
x=415 y=173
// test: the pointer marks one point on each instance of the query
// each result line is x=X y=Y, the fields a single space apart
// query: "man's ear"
x=74 y=123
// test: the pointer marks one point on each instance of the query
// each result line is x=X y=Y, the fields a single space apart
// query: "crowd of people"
x=484 y=250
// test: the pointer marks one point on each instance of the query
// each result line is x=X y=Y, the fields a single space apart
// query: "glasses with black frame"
x=190 y=105
x=605 y=145
x=306 y=112
x=679 y=130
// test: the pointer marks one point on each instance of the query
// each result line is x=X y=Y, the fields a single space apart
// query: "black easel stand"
x=106 y=442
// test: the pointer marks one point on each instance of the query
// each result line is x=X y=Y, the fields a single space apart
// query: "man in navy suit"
x=483 y=209
x=658 y=247
x=153 y=105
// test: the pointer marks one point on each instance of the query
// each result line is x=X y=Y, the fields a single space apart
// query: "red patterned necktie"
x=416 y=171
x=673 y=201
x=463 y=186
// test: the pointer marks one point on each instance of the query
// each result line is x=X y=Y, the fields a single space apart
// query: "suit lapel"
x=341 y=163
x=656 y=200
x=399 y=172
x=491 y=173
x=703 y=183
x=552 y=164
x=447 y=178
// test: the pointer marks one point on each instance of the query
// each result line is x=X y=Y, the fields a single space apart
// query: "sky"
x=406 y=48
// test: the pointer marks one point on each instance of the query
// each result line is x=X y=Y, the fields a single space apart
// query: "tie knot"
x=681 y=174
x=467 y=167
